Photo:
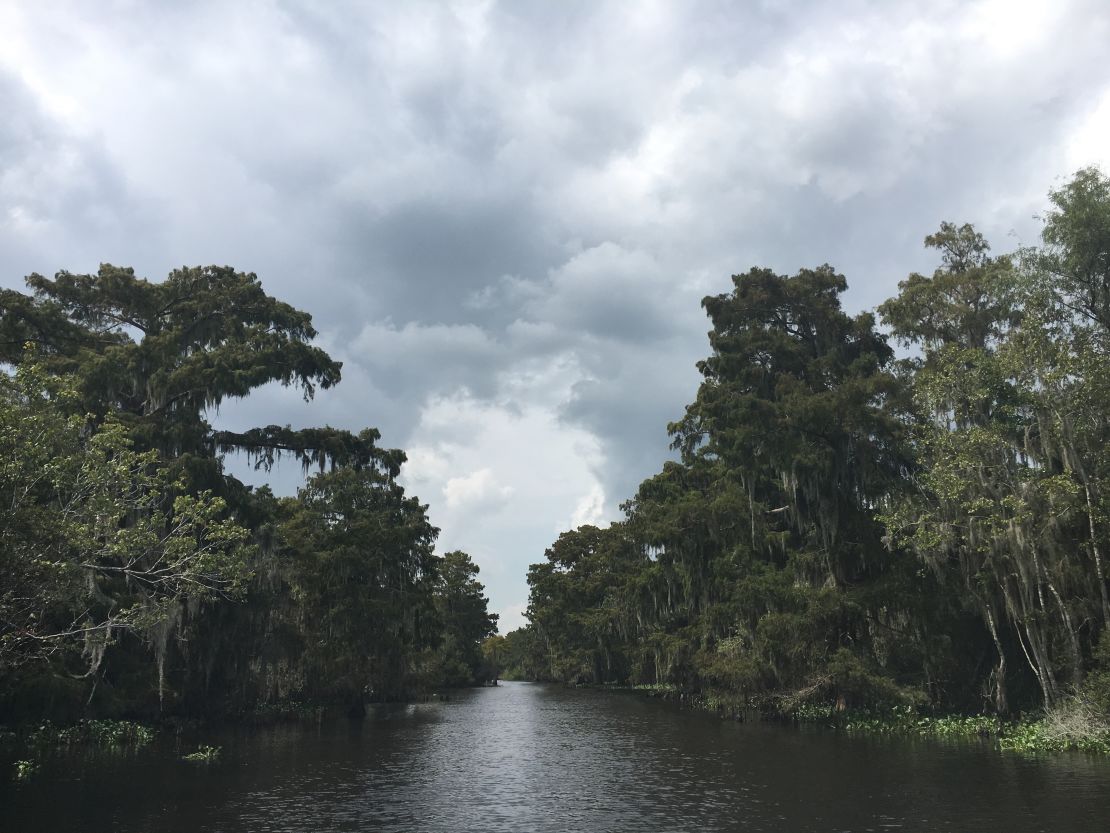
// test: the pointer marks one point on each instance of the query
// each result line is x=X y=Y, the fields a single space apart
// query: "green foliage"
x=113 y=735
x=466 y=655
x=742 y=569
x=204 y=755
x=907 y=721
x=1009 y=432
x=159 y=356
x=363 y=565
x=1077 y=237
x=96 y=538
x=494 y=650
x=102 y=733
x=656 y=689
x=523 y=657
x=1048 y=734
x=1042 y=736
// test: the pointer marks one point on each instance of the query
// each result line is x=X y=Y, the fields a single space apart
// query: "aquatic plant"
x=104 y=733
x=204 y=754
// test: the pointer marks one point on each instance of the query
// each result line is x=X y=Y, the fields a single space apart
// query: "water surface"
x=524 y=757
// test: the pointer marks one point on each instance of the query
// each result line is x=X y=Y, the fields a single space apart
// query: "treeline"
x=844 y=527
x=137 y=577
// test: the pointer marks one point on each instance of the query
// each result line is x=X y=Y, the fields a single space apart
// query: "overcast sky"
x=503 y=216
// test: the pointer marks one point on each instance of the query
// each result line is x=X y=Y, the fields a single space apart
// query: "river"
x=523 y=757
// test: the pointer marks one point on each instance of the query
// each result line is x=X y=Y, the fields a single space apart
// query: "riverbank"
x=1071 y=726
x=22 y=747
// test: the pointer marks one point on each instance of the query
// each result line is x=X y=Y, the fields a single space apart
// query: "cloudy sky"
x=503 y=215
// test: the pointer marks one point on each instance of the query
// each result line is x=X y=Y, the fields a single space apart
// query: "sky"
x=503 y=216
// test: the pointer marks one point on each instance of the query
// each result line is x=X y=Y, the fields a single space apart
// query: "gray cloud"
x=429 y=257
x=53 y=183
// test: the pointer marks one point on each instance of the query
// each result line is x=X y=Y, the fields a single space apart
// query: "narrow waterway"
x=524 y=757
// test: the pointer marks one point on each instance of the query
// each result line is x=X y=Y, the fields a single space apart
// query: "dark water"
x=540 y=758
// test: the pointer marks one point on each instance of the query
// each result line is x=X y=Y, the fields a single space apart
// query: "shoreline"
x=1066 y=730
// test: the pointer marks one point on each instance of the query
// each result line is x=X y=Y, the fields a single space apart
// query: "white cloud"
x=511 y=473
x=477 y=491
x=512 y=617
x=1090 y=142
x=1009 y=28
x=590 y=509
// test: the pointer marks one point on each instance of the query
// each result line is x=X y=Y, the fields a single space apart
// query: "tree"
x=464 y=619
x=96 y=540
x=159 y=355
x=799 y=404
x=996 y=507
x=1077 y=238
x=579 y=603
x=971 y=301
x=363 y=575
x=494 y=656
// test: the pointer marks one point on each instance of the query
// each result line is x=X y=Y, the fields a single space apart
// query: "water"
x=524 y=757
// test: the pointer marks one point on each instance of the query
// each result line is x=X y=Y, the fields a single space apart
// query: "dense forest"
x=139 y=578
x=840 y=526
x=849 y=528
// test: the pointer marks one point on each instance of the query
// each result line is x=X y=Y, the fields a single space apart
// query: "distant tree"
x=464 y=620
x=494 y=656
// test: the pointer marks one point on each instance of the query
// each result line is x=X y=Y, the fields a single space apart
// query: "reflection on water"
x=523 y=757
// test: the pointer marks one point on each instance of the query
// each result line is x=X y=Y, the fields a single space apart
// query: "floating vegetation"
x=657 y=689
x=204 y=755
x=1069 y=726
x=102 y=733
